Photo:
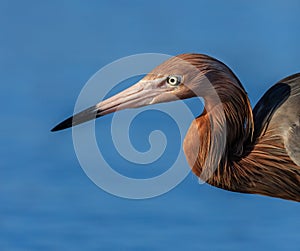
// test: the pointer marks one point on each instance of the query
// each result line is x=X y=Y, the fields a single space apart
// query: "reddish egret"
x=262 y=146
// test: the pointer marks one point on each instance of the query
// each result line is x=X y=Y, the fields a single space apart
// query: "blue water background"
x=49 y=49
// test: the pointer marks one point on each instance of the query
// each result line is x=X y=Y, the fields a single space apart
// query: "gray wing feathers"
x=278 y=112
x=292 y=143
x=286 y=119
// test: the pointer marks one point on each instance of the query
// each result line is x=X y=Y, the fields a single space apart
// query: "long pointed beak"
x=141 y=94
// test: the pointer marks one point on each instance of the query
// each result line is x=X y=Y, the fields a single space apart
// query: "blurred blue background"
x=49 y=49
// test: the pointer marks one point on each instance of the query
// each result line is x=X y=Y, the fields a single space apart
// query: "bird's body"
x=228 y=145
x=268 y=161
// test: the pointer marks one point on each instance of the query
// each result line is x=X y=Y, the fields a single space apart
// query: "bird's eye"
x=174 y=80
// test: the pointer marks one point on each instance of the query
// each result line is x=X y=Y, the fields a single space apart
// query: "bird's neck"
x=225 y=130
x=222 y=147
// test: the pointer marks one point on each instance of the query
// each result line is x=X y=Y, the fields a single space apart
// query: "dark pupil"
x=173 y=80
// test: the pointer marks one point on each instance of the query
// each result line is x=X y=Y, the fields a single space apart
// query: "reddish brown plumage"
x=253 y=161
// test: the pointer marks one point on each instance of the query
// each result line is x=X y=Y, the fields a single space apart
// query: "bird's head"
x=180 y=77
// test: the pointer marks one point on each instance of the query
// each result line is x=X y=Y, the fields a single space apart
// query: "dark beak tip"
x=63 y=125
x=57 y=128
x=81 y=117
x=54 y=129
